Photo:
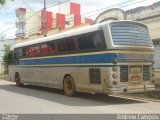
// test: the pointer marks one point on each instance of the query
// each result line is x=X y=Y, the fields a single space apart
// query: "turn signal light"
x=114 y=62
x=114 y=83
x=114 y=75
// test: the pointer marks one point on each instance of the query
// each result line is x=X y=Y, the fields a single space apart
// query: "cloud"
x=9 y=33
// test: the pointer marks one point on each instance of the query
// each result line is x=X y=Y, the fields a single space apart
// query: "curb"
x=138 y=98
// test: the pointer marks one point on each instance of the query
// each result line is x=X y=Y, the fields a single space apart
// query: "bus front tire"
x=18 y=80
x=69 y=86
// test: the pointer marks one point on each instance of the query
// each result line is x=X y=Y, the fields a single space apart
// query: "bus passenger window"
x=61 y=46
x=15 y=58
x=51 y=47
x=37 y=49
x=44 y=48
x=70 y=44
x=24 y=52
x=96 y=41
x=27 y=52
x=31 y=51
x=20 y=52
x=83 y=42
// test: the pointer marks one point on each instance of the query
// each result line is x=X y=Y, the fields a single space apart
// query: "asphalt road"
x=38 y=100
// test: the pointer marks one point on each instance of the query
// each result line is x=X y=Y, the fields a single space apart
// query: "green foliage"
x=6 y=51
x=2 y=2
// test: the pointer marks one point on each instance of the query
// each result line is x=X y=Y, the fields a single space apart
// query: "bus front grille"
x=95 y=76
x=146 y=73
x=124 y=73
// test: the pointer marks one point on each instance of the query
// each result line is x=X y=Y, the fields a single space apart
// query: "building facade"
x=30 y=23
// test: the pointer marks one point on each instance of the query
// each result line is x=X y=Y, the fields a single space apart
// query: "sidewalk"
x=3 y=77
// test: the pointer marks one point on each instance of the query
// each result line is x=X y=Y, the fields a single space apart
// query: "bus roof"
x=70 y=33
x=60 y=35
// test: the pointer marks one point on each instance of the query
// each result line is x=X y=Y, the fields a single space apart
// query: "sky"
x=89 y=8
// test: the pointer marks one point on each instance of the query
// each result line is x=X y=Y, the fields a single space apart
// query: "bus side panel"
x=83 y=79
x=84 y=83
x=30 y=75
x=11 y=73
x=49 y=77
x=43 y=76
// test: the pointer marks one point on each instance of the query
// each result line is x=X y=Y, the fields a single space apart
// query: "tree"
x=5 y=57
x=2 y=2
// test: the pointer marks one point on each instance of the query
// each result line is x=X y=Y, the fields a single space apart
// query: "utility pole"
x=59 y=11
x=45 y=21
x=59 y=5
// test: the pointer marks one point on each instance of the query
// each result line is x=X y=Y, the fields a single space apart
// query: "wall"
x=60 y=20
x=154 y=27
x=111 y=14
x=33 y=23
x=49 y=21
x=51 y=32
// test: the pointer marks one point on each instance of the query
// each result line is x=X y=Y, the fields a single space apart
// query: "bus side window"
x=96 y=40
x=44 y=48
x=15 y=57
x=10 y=58
x=83 y=42
x=61 y=46
x=26 y=51
x=31 y=51
x=70 y=44
x=37 y=49
x=20 y=52
x=51 y=48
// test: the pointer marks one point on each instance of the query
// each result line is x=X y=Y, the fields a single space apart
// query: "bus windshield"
x=130 y=34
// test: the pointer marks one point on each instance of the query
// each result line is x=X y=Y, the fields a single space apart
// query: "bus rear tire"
x=18 y=80
x=69 y=86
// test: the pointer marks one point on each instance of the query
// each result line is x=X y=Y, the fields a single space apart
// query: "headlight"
x=114 y=83
x=115 y=69
x=114 y=75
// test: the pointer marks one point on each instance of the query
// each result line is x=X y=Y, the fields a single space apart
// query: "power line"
x=82 y=14
x=116 y=6
x=28 y=6
x=31 y=16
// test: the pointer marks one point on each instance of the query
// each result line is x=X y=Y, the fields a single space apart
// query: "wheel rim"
x=17 y=79
x=68 y=84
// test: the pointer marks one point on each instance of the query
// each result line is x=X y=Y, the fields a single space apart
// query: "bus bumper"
x=149 y=87
x=130 y=89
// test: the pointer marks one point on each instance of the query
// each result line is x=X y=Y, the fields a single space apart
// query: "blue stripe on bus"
x=96 y=58
x=84 y=59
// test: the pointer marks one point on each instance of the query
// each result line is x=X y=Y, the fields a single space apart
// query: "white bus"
x=111 y=58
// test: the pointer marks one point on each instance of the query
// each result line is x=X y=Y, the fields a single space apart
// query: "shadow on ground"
x=55 y=95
